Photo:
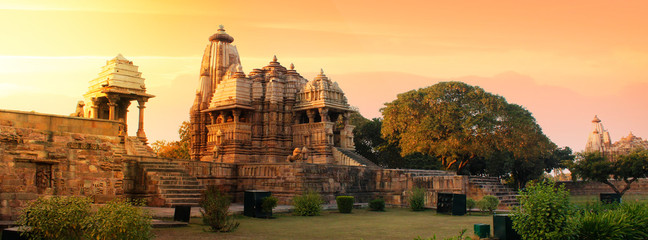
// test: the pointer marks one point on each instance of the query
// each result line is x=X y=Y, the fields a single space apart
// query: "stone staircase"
x=170 y=183
x=349 y=157
x=493 y=186
x=135 y=147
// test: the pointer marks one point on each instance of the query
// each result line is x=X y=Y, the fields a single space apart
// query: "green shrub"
x=543 y=212
x=345 y=203
x=215 y=205
x=487 y=203
x=56 y=217
x=268 y=203
x=604 y=225
x=119 y=219
x=417 y=199
x=470 y=204
x=624 y=221
x=377 y=204
x=637 y=215
x=308 y=204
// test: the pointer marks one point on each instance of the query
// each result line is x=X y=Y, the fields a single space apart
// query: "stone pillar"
x=237 y=114
x=112 y=103
x=324 y=114
x=311 y=115
x=212 y=116
x=140 y=128
x=95 y=109
x=126 y=105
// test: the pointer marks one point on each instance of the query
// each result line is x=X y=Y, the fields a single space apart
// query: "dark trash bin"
x=182 y=213
x=608 y=198
x=252 y=200
x=503 y=227
x=482 y=230
x=450 y=203
x=14 y=233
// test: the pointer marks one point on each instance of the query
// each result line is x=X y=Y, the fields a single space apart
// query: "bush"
x=345 y=203
x=119 y=219
x=604 y=225
x=56 y=217
x=215 y=205
x=268 y=203
x=470 y=204
x=417 y=199
x=377 y=204
x=543 y=212
x=625 y=221
x=487 y=203
x=308 y=204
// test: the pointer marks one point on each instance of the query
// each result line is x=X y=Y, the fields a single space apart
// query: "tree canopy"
x=370 y=144
x=469 y=130
x=175 y=149
x=593 y=166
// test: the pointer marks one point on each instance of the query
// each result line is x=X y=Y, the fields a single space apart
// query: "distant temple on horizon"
x=599 y=141
x=268 y=115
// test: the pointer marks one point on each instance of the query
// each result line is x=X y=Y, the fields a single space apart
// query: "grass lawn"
x=395 y=223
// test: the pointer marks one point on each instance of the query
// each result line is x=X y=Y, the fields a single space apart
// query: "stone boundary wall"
x=595 y=188
x=58 y=123
x=46 y=155
x=285 y=180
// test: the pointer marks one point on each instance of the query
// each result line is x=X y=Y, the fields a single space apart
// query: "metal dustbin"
x=451 y=203
x=608 y=198
x=503 y=227
x=482 y=230
x=182 y=213
x=252 y=200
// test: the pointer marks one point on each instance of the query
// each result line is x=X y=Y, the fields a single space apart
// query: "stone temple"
x=265 y=116
x=599 y=141
x=270 y=129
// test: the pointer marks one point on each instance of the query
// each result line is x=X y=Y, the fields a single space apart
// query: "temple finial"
x=321 y=70
x=292 y=66
x=274 y=59
x=221 y=27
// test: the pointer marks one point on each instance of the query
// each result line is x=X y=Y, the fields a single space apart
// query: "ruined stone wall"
x=594 y=188
x=285 y=180
x=42 y=155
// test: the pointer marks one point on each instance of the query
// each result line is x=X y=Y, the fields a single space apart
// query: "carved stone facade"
x=264 y=116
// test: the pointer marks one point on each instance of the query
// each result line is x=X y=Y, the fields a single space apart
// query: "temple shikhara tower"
x=599 y=141
x=271 y=115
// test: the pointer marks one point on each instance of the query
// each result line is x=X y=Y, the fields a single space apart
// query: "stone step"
x=177 y=195
x=180 y=201
x=179 y=191
x=179 y=181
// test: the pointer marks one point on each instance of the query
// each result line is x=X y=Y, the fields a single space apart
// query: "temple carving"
x=265 y=115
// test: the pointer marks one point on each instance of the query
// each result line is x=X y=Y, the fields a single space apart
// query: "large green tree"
x=370 y=144
x=175 y=149
x=464 y=125
x=593 y=166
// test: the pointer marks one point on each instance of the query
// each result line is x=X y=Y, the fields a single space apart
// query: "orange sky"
x=564 y=61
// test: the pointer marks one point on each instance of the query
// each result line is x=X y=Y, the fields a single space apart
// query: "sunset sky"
x=565 y=61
